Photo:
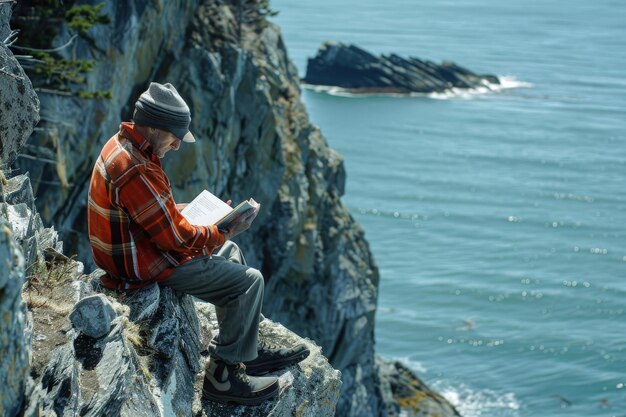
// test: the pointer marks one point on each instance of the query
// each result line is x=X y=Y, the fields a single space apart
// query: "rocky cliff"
x=69 y=347
x=19 y=113
x=255 y=139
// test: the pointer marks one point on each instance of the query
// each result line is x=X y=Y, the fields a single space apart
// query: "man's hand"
x=241 y=223
x=181 y=206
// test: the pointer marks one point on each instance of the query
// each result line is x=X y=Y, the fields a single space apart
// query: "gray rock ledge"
x=154 y=366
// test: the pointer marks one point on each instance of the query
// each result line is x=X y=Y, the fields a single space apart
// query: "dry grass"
x=132 y=332
x=47 y=285
x=136 y=334
x=50 y=299
x=44 y=280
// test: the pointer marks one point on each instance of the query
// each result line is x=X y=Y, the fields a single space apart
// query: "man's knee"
x=231 y=252
x=257 y=284
x=256 y=277
x=230 y=246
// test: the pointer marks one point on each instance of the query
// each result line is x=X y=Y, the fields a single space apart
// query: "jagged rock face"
x=321 y=276
x=23 y=244
x=255 y=139
x=26 y=224
x=93 y=377
x=19 y=105
x=18 y=115
x=359 y=71
x=152 y=366
x=14 y=363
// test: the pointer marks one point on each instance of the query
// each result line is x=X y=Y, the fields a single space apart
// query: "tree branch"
x=24 y=48
x=17 y=77
x=8 y=41
x=37 y=158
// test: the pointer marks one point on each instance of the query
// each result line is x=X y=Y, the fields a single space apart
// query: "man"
x=138 y=236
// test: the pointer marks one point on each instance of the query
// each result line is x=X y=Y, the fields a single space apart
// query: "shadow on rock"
x=87 y=352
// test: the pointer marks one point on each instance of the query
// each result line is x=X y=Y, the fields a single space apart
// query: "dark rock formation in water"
x=255 y=139
x=358 y=71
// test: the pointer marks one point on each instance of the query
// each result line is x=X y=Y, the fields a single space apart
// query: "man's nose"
x=176 y=144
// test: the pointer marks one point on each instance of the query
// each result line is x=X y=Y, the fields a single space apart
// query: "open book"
x=207 y=209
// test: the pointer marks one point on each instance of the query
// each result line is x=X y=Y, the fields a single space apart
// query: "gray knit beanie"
x=161 y=107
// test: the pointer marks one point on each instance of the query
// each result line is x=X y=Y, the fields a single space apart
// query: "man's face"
x=163 y=141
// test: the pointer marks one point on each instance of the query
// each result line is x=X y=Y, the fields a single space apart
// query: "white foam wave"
x=477 y=403
x=345 y=92
x=412 y=364
x=507 y=82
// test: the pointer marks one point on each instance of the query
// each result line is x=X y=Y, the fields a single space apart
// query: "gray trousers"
x=236 y=290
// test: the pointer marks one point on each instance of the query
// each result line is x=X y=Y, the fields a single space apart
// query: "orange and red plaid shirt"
x=137 y=234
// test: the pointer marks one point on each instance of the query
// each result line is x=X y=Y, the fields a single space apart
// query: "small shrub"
x=38 y=23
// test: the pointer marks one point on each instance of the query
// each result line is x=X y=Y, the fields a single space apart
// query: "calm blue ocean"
x=498 y=220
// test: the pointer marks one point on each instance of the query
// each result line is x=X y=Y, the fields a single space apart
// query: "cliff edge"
x=255 y=140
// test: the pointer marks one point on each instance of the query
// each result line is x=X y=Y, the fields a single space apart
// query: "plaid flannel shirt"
x=137 y=234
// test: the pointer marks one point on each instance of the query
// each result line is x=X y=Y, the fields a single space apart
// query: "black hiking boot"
x=224 y=383
x=272 y=358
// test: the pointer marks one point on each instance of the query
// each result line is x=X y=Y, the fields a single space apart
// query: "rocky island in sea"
x=142 y=354
x=357 y=71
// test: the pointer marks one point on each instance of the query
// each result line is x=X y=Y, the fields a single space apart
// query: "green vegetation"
x=43 y=276
x=38 y=23
x=82 y=18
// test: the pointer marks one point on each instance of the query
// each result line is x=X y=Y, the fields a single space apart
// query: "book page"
x=205 y=209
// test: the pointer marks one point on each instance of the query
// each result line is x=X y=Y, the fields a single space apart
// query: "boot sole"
x=278 y=365
x=225 y=399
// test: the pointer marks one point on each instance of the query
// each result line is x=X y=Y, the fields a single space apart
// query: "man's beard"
x=155 y=141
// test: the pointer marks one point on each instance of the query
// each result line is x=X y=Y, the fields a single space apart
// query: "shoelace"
x=267 y=345
x=240 y=371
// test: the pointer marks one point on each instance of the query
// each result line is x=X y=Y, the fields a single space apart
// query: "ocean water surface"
x=498 y=219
